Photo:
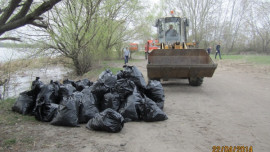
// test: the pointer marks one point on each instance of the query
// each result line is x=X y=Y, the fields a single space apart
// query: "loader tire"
x=195 y=81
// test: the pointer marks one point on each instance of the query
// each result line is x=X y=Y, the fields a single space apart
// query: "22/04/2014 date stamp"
x=232 y=149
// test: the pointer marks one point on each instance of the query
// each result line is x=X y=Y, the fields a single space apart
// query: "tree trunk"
x=77 y=66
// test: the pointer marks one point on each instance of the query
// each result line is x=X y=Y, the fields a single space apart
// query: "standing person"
x=209 y=49
x=126 y=54
x=218 y=51
x=147 y=50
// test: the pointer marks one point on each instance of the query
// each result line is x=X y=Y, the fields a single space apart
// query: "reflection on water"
x=21 y=80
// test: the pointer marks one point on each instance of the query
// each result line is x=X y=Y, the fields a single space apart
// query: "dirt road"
x=230 y=109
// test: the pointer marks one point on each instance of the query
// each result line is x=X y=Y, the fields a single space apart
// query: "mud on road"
x=230 y=109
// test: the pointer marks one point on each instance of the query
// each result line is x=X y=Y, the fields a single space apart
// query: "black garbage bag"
x=67 y=112
x=132 y=73
x=104 y=84
x=154 y=91
x=108 y=120
x=66 y=90
x=124 y=88
x=77 y=96
x=88 y=90
x=120 y=75
x=36 y=86
x=56 y=86
x=45 y=111
x=24 y=103
x=111 y=100
x=88 y=106
x=99 y=89
x=151 y=112
x=48 y=94
x=47 y=102
x=67 y=81
x=130 y=109
x=81 y=84
x=107 y=78
x=105 y=73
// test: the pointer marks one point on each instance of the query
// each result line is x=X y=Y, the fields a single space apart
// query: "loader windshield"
x=172 y=33
x=172 y=24
x=169 y=30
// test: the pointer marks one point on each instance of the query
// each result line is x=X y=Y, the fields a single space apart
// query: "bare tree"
x=87 y=31
x=198 y=11
x=259 y=20
x=19 y=13
x=73 y=27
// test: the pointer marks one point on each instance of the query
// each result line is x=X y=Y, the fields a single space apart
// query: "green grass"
x=259 y=59
x=8 y=117
x=255 y=59
x=27 y=140
x=9 y=142
x=10 y=120
x=114 y=69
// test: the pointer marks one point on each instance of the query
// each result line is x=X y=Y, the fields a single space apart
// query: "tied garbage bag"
x=110 y=100
x=133 y=74
x=36 y=86
x=124 y=88
x=130 y=108
x=81 y=84
x=67 y=112
x=108 y=120
x=66 y=90
x=77 y=96
x=56 y=86
x=88 y=106
x=24 y=103
x=154 y=91
x=67 y=81
x=120 y=75
x=105 y=73
x=107 y=78
x=45 y=111
x=48 y=94
x=99 y=89
x=151 y=112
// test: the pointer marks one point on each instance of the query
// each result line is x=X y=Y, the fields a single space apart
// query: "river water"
x=7 y=54
x=21 y=80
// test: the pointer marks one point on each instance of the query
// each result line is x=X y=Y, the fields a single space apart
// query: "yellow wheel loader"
x=177 y=59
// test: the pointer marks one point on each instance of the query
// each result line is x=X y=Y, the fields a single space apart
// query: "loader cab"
x=171 y=30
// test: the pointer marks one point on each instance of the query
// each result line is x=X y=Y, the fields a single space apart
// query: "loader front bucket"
x=179 y=63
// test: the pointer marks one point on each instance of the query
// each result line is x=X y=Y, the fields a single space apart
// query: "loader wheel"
x=197 y=81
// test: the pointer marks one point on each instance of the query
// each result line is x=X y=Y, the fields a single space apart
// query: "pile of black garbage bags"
x=104 y=105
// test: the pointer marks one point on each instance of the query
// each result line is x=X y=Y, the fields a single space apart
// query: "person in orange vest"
x=147 y=50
